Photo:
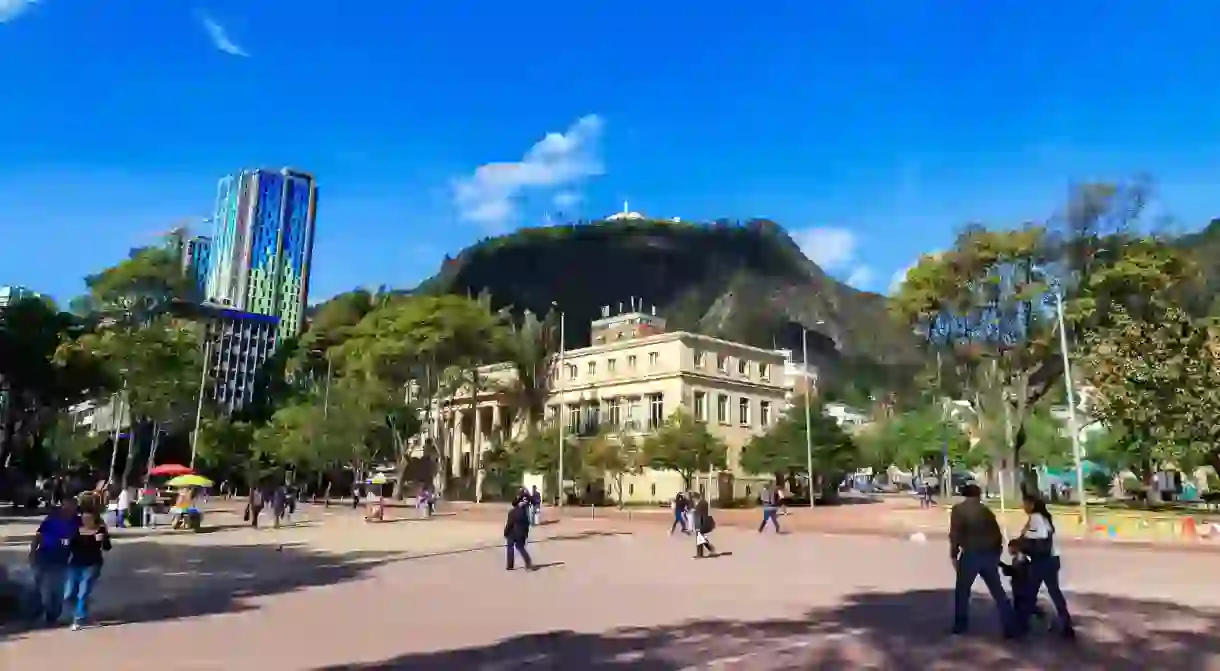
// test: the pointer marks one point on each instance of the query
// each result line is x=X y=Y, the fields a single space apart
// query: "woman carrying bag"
x=703 y=524
x=1037 y=542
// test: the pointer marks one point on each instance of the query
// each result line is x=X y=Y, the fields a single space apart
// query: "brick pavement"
x=424 y=596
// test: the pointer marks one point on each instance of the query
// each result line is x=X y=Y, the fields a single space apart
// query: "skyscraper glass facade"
x=262 y=247
x=197 y=262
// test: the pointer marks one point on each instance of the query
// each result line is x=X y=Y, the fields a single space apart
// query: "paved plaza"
x=335 y=593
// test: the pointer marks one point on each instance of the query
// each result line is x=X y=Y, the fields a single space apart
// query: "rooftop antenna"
x=654 y=311
x=620 y=307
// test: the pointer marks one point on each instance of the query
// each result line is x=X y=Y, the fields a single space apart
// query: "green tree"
x=227 y=446
x=783 y=450
x=685 y=445
x=39 y=374
x=1157 y=384
x=613 y=457
x=141 y=288
x=412 y=342
x=982 y=305
x=68 y=445
x=538 y=452
x=160 y=365
x=917 y=439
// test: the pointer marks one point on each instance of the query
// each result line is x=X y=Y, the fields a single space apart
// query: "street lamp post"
x=203 y=381
x=559 y=415
x=1077 y=452
x=808 y=412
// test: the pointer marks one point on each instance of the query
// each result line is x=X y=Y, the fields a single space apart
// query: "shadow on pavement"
x=149 y=582
x=153 y=582
x=869 y=631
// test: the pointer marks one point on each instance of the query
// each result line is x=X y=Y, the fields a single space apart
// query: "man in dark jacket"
x=975 y=546
x=516 y=533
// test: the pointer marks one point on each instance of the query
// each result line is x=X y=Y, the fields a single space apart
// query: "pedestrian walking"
x=535 y=505
x=254 y=505
x=49 y=555
x=680 y=506
x=121 y=505
x=770 y=506
x=279 y=504
x=516 y=535
x=88 y=546
x=975 y=547
x=703 y=523
x=1037 y=542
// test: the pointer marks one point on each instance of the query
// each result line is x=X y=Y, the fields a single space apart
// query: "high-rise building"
x=238 y=344
x=262 y=246
x=197 y=262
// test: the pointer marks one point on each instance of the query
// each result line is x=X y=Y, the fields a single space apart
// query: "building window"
x=722 y=363
x=701 y=406
x=743 y=411
x=764 y=371
x=698 y=358
x=572 y=372
x=610 y=363
x=592 y=368
x=614 y=411
x=631 y=362
x=722 y=408
x=573 y=418
x=653 y=359
x=654 y=489
x=764 y=413
x=743 y=367
x=656 y=410
x=747 y=491
x=631 y=489
x=633 y=414
x=552 y=412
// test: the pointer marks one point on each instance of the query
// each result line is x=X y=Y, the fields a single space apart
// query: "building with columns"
x=633 y=376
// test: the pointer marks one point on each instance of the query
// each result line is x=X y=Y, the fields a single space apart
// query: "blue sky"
x=870 y=129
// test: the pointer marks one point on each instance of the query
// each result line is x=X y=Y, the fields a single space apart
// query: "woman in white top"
x=1037 y=541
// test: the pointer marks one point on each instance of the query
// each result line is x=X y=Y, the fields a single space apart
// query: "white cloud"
x=831 y=248
x=11 y=9
x=860 y=277
x=897 y=280
x=219 y=36
x=558 y=161
x=834 y=249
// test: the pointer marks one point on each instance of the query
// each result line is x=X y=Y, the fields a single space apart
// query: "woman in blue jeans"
x=88 y=548
x=1037 y=541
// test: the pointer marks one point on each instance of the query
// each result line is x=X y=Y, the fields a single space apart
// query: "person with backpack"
x=1037 y=542
x=254 y=506
x=703 y=524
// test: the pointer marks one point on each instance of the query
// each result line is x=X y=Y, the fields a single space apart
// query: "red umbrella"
x=172 y=470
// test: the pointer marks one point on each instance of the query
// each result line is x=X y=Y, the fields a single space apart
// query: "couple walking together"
x=66 y=557
x=976 y=546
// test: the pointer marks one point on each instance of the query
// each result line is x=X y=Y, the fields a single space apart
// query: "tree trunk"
x=133 y=451
x=152 y=451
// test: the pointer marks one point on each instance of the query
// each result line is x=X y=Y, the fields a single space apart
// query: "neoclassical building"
x=633 y=376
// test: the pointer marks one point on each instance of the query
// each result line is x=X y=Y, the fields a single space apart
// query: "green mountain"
x=746 y=282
